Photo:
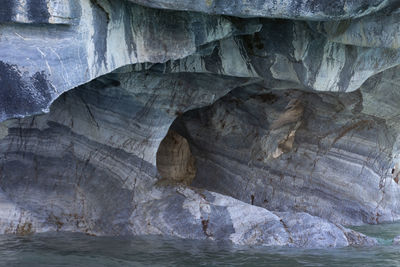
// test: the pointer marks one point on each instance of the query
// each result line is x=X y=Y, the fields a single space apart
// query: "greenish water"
x=63 y=249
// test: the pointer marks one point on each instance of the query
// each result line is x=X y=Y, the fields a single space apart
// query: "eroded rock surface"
x=284 y=118
x=180 y=211
x=292 y=9
x=41 y=58
x=297 y=151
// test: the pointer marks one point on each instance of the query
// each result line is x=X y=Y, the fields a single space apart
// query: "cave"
x=175 y=162
x=263 y=123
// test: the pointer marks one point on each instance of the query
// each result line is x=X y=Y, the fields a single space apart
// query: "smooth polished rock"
x=288 y=54
x=41 y=58
x=87 y=163
x=289 y=9
x=88 y=167
x=291 y=106
x=200 y=214
x=297 y=151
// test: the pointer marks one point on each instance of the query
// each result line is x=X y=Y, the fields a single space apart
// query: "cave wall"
x=289 y=109
x=297 y=151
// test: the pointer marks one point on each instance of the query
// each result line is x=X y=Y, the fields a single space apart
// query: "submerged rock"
x=396 y=241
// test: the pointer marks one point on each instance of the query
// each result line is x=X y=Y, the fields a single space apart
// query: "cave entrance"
x=175 y=162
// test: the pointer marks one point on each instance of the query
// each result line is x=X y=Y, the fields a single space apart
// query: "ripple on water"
x=69 y=249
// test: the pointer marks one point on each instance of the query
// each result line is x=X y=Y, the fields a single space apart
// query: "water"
x=66 y=249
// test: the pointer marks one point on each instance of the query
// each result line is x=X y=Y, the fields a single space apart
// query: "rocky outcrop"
x=180 y=211
x=272 y=126
x=82 y=168
x=297 y=151
x=289 y=9
x=63 y=44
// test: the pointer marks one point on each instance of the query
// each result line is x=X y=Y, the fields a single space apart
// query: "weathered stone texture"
x=255 y=122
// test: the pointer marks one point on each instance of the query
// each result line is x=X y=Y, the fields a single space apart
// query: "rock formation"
x=256 y=122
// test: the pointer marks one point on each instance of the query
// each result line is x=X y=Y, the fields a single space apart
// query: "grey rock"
x=187 y=213
x=102 y=36
x=289 y=9
x=89 y=166
x=289 y=126
x=287 y=54
x=396 y=241
x=95 y=38
x=84 y=165
x=377 y=30
x=296 y=151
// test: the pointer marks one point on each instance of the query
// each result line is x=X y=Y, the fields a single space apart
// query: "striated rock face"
x=273 y=126
x=292 y=9
x=297 y=151
x=182 y=210
x=63 y=44
x=82 y=168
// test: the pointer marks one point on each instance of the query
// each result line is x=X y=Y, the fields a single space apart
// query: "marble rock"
x=200 y=214
x=297 y=151
x=90 y=166
x=48 y=47
x=290 y=9
x=87 y=163
x=256 y=122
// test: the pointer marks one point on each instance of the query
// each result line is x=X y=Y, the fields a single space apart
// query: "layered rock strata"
x=82 y=168
x=297 y=151
x=274 y=125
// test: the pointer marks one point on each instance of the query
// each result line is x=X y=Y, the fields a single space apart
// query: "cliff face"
x=274 y=125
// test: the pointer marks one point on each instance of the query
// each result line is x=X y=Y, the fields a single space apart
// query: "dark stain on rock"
x=347 y=71
x=20 y=94
x=204 y=223
x=243 y=53
x=37 y=11
x=56 y=220
x=100 y=22
x=342 y=27
x=95 y=3
x=178 y=113
x=257 y=42
x=251 y=42
x=199 y=34
x=287 y=230
x=7 y=10
x=213 y=62
x=354 y=126
x=267 y=98
x=115 y=83
x=128 y=29
x=24 y=228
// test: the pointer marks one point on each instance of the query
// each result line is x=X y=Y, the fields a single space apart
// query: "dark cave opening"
x=175 y=162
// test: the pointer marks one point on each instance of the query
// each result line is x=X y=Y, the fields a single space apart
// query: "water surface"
x=66 y=249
